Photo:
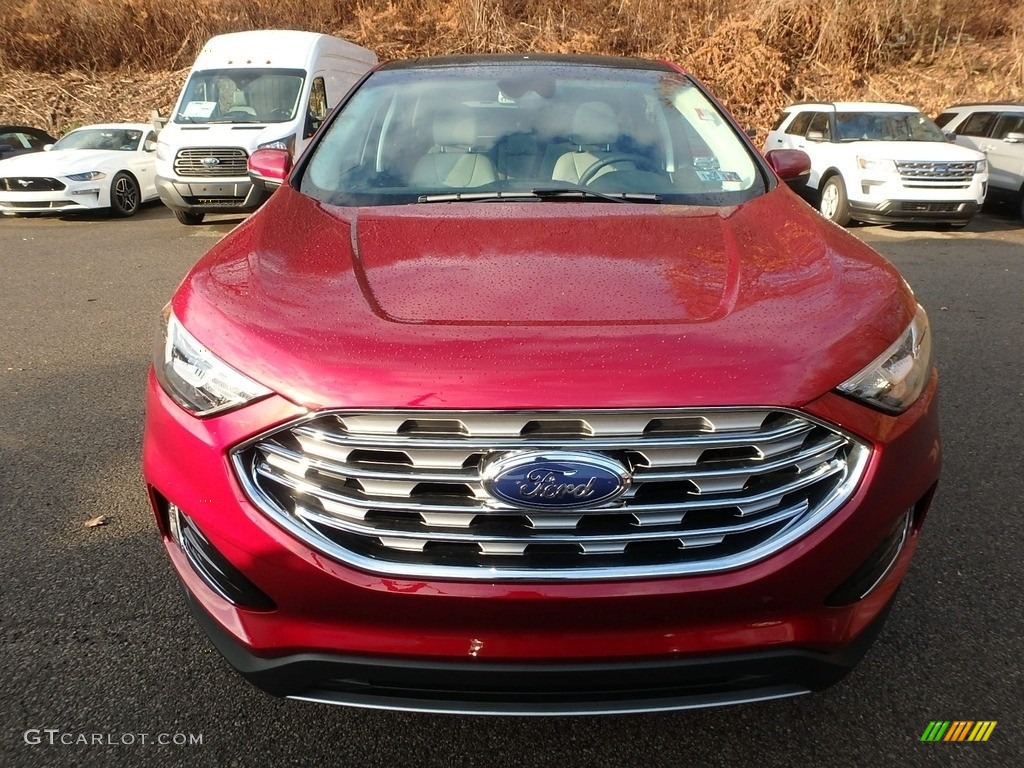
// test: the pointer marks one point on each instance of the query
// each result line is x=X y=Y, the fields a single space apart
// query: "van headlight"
x=195 y=378
x=897 y=377
x=286 y=142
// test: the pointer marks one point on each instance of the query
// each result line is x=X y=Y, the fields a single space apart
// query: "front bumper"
x=197 y=195
x=485 y=688
x=336 y=634
x=81 y=196
x=915 y=211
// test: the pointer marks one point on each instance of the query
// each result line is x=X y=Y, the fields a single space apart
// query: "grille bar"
x=939 y=174
x=402 y=492
x=211 y=162
x=31 y=184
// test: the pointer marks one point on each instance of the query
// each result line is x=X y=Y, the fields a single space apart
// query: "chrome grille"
x=31 y=184
x=400 y=492
x=211 y=161
x=936 y=174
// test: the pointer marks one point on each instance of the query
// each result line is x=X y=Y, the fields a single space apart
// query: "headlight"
x=195 y=378
x=286 y=142
x=872 y=164
x=87 y=176
x=897 y=377
x=981 y=166
x=163 y=150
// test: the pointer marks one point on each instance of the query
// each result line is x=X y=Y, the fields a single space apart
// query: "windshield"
x=121 y=139
x=530 y=130
x=886 y=126
x=241 y=96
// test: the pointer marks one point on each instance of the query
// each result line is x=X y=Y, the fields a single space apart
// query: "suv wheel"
x=833 y=205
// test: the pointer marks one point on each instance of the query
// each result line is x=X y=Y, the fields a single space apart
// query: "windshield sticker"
x=200 y=108
x=718 y=176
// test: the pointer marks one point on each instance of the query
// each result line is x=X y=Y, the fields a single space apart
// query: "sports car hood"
x=59 y=162
x=534 y=305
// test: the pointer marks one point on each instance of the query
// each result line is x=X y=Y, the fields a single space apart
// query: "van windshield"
x=249 y=95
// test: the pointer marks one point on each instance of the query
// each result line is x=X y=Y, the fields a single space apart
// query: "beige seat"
x=453 y=161
x=595 y=130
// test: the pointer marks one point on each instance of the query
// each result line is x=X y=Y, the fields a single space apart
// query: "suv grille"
x=936 y=174
x=400 y=492
x=211 y=161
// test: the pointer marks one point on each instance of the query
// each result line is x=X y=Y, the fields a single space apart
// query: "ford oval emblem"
x=210 y=161
x=554 y=479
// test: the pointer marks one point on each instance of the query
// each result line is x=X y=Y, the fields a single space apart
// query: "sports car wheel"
x=124 y=195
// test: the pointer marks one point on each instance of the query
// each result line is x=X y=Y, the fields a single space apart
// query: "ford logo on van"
x=554 y=479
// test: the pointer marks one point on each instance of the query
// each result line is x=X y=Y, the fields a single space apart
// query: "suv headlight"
x=897 y=377
x=195 y=378
x=873 y=164
x=981 y=166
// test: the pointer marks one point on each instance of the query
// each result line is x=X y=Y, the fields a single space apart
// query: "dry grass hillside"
x=69 y=62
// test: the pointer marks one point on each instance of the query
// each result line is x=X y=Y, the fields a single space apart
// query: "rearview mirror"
x=789 y=164
x=268 y=168
x=1013 y=137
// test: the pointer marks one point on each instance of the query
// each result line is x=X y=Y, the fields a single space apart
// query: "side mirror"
x=950 y=136
x=815 y=135
x=149 y=146
x=47 y=147
x=268 y=168
x=789 y=164
x=1014 y=137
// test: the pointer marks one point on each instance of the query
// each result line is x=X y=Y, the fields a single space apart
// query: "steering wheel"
x=642 y=163
x=281 y=112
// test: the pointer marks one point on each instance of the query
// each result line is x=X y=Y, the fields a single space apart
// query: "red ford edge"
x=534 y=389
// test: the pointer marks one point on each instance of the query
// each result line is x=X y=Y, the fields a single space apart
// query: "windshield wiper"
x=558 y=193
x=583 y=194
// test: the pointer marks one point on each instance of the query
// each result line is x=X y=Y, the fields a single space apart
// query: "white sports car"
x=98 y=166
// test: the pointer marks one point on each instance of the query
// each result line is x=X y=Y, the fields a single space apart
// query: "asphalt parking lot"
x=102 y=661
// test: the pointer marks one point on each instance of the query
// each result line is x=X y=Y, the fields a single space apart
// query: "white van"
x=248 y=90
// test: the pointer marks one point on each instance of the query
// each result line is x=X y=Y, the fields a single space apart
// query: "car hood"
x=928 y=151
x=60 y=162
x=544 y=305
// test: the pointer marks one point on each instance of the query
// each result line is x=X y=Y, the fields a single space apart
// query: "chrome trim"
x=908 y=524
x=369 y=701
x=370 y=501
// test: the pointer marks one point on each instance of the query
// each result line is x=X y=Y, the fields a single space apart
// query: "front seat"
x=453 y=161
x=595 y=129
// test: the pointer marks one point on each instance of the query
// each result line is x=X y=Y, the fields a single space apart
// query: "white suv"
x=881 y=163
x=998 y=131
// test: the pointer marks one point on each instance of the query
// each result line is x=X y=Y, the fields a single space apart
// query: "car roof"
x=115 y=126
x=1011 y=105
x=473 y=60
x=856 y=106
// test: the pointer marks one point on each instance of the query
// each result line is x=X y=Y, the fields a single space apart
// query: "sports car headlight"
x=88 y=176
x=195 y=378
x=897 y=377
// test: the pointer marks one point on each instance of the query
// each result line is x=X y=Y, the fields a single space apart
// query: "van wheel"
x=124 y=195
x=833 y=205
x=189 y=218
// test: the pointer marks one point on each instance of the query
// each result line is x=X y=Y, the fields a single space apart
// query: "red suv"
x=534 y=390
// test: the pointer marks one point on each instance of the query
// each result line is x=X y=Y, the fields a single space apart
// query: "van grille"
x=401 y=492
x=209 y=162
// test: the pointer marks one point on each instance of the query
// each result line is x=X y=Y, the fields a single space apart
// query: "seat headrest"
x=454 y=129
x=594 y=123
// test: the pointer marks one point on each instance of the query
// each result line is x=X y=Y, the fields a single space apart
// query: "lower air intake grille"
x=402 y=493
